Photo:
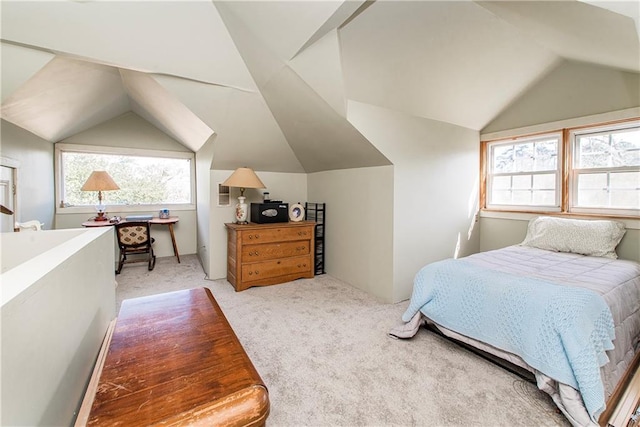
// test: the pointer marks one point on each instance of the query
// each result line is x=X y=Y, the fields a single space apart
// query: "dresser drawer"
x=252 y=253
x=268 y=254
x=275 y=268
x=280 y=234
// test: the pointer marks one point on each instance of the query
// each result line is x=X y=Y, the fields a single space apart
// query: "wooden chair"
x=33 y=225
x=135 y=238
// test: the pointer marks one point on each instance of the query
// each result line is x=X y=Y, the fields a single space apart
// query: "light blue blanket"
x=561 y=331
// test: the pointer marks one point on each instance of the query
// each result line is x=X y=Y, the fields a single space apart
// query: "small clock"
x=296 y=212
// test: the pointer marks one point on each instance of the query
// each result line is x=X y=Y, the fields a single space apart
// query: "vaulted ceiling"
x=272 y=79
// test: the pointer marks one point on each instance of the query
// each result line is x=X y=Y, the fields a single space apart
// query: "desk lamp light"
x=243 y=178
x=100 y=181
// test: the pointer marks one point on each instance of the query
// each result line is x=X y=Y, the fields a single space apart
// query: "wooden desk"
x=173 y=359
x=161 y=221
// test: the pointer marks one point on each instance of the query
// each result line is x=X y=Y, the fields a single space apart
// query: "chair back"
x=133 y=234
x=33 y=225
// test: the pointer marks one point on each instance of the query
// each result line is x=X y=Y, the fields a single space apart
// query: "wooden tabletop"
x=174 y=359
x=255 y=225
x=154 y=220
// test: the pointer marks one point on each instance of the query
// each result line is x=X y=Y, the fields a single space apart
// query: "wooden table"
x=174 y=359
x=162 y=221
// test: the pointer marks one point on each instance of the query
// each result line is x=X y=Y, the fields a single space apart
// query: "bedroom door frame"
x=13 y=165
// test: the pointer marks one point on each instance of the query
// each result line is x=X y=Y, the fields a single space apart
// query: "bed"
x=560 y=305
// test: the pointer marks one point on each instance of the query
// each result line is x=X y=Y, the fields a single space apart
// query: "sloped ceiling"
x=272 y=78
x=49 y=105
x=321 y=138
x=576 y=30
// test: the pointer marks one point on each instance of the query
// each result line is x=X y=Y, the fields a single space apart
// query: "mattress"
x=617 y=281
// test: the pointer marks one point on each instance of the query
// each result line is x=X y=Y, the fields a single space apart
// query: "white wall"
x=205 y=197
x=127 y=131
x=359 y=226
x=131 y=131
x=435 y=187
x=21 y=248
x=572 y=89
x=500 y=230
x=184 y=230
x=55 y=311
x=35 y=173
x=288 y=187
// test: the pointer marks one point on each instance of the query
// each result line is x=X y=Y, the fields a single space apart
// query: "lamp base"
x=242 y=213
x=101 y=217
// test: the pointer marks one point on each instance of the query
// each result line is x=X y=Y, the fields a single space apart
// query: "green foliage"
x=142 y=180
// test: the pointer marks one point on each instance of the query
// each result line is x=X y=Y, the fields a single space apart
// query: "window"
x=606 y=169
x=147 y=178
x=601 y=174
x=525 y=173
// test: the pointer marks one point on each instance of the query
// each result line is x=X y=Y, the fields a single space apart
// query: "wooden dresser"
x=267 y=254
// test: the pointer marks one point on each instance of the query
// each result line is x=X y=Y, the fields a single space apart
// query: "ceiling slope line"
x=358 y=11
x=164 y=111
x=510 y=24
x=320 y=138
x=111 y=64
x=321 y=64
x=341 y=17
x=556 y=45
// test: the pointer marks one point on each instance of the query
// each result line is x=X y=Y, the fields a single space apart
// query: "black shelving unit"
x=317 y=212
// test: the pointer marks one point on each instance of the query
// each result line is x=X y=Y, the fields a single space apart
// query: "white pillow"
x=586 y=237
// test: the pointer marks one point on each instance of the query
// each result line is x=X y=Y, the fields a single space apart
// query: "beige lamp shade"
x=99 y=181
x=244 y=178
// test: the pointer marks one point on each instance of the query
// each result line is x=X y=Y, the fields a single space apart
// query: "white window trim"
x=557 y=172
x=78 y=148
x=573 y=182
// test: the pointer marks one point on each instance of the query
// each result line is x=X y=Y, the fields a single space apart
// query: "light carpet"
x=322 y=349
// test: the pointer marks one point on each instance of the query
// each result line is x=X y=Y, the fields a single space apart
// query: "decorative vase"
x=241 y=211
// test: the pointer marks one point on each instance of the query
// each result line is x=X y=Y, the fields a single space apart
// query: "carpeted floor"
x=321 y=347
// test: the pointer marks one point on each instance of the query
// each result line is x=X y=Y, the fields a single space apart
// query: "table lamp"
x=243 y=178
x=100 y=181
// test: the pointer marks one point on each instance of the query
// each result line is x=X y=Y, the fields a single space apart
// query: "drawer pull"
x=299 y=266
x=250 y=237
x=279 y=262
x=251 y=273
x=257 y=272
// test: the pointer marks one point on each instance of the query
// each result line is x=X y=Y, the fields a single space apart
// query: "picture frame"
x=296 y=212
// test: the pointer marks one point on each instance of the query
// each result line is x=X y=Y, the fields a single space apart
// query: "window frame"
x=524 y=140
x=574 y=171
x=61 y=148
x=567 y=171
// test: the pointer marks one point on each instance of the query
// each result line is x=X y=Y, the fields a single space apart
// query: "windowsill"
x=630 y=223
x=111 y=209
